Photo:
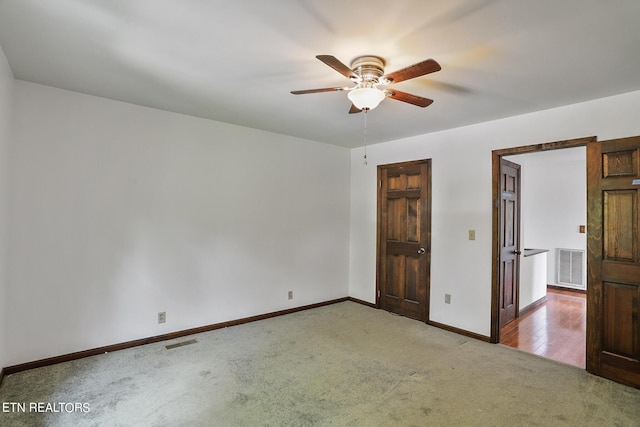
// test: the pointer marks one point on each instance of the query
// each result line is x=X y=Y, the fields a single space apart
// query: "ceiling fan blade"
x=325 y=89
x=412 y=71
x=409 y=98
x=354 y=109
x=335 y=63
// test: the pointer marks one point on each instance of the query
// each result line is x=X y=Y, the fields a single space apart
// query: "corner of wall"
x=6 y=105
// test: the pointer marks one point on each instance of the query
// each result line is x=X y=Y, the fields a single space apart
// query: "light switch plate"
x=472 y=234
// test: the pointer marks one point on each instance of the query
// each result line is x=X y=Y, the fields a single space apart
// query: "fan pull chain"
x=365 y=136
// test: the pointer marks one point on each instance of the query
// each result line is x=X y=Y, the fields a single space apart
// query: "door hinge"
x=380 y=183
x=378 y=293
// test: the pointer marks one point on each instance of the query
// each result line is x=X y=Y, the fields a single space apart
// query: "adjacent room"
x=552 y=287
x=318 y=212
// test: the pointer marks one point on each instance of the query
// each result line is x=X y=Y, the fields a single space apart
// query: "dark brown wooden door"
x=509 y=240
x=613 y=286
x=404 y=238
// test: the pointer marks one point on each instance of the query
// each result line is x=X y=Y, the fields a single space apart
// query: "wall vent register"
x=571 y=267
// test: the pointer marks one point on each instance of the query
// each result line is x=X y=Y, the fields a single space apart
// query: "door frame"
x=496 y=156
x=379 y=254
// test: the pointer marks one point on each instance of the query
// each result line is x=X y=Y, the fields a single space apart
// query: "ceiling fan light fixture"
x=367 y=72
x=366 y=98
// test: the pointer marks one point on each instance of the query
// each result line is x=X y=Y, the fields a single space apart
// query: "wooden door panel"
x=621 y=320
x=413 y=181
x=613 y=288
x=413 y=220
x=620 y=213
x=396 y=182
x=620 y=163
x=412 y=277
x=618 y=272
x=509 y=183
x=509 y=241
x=403 y=274
x=402 y=248
x=395 y=276
x=404 y=223
x=509 y=217
x=395 y=219
x=508 y=268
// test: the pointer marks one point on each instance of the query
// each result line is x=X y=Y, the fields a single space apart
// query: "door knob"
x=421 y=251
x=517 y=252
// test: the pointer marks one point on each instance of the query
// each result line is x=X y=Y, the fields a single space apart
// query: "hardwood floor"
x=555 y=329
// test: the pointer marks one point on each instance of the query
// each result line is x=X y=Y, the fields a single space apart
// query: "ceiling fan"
x=367 y=72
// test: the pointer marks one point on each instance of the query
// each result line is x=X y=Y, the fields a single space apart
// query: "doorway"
x=497 y=318
x=613 y=254
x=552 y=305
x=404 y=238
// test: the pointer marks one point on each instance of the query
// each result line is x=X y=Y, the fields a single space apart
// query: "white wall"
x=533 y=279
x=461 y=185
x=119 y=212
x=554 y=202
x=6 y=97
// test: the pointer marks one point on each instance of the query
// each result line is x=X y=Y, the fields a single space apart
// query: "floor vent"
x=180 y=344
x=571 y=267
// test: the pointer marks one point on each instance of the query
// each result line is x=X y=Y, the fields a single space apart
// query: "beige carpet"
x=340 y=365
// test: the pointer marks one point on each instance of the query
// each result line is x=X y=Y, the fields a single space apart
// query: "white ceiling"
x=236 y=61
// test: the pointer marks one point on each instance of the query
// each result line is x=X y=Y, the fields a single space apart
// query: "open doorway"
x=552 y=293
x=550 y=320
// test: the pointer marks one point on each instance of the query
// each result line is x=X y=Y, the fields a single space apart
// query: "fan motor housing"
x=368 y=67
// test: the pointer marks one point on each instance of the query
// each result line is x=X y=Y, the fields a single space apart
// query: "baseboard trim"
x=179 y=334
x=359 y=301
x=431 y=323
x=563 y=288
x=164 y=337
x=528 y=309
x=459 y=331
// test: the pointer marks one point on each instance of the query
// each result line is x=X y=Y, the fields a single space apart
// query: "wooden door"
x=404 y=238
x=613 y=279
x=509 y=276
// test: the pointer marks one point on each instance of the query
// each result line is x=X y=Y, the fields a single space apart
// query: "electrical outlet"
x=447 y=298
x=290 y=295
x=162 y=317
